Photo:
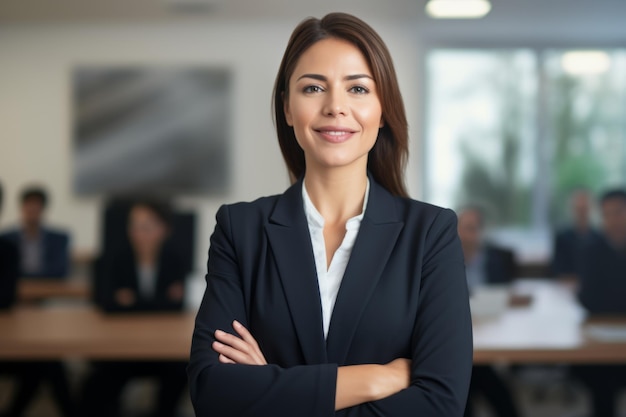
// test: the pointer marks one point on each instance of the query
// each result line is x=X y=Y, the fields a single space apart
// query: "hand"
x=395 y=377
x=242 y=350
x=125 y=297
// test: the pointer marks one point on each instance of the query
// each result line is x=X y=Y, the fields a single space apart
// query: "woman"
x=147 y=277
x=341 y=296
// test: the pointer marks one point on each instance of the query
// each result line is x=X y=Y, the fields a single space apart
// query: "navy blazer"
x=603 y=279
x=500 y=265
x=120 y=271
x=8 y=273
x=55 y=257
x=569 y=250
x=403 y=294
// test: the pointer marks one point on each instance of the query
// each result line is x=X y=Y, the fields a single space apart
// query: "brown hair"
x=387 y=159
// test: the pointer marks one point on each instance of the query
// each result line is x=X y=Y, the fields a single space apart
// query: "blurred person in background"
x=28 y=376
x=603 y=292
x=148 y=277
x=485 y=264
x=9 y=268
x=570 y=242
x=44 y=252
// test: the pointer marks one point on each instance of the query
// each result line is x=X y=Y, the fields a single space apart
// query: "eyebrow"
x=346 y=78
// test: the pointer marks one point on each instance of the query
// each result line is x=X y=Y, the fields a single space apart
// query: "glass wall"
x=516 y=130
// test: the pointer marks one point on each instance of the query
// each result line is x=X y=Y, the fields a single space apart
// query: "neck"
x=582 y=226
x=32 y=231
x=147 y=258
x=470 y=252
x=337 y=194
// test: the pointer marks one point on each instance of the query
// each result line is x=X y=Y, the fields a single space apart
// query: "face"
x=614 y=220
x=146 y=230
x=470 y=229
x=333 y=106
x=581 y=206
x=32 y=211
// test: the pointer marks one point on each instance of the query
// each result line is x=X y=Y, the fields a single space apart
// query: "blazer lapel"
x=378 y=233
x=290 y=240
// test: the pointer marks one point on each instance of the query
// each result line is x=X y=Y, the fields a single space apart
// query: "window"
x=516 y=130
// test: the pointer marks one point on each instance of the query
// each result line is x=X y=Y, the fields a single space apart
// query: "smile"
x=335 y=135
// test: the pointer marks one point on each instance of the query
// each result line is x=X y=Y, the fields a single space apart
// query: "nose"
x=335 y=104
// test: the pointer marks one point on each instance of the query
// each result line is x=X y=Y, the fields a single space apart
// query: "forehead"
x=614 y=204
x=468 y=217
x=142 y=213
x=332 y=55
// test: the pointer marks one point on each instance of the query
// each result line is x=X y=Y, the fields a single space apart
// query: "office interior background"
x=500 y=113
x=512 y=146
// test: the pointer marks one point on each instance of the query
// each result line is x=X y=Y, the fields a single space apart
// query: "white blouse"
x=329 y=279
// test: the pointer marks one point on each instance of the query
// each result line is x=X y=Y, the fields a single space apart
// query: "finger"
x=233 y=341
x=247 y=336
x=244 y=333
x=233 y=354
x=224 y=359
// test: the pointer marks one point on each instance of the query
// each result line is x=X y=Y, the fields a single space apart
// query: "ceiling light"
x=457 y=9
x=585 y=62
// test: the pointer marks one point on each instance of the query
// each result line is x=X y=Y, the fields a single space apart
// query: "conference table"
x=82 y=331
x=549 y=328
x=31 y=290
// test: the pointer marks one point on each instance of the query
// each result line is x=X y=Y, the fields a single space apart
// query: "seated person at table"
x=485 y=264
x=29 y=375
x=44 y=252
x=603 y=292
x=570 y=241
x=9 y=268
x=147 y=278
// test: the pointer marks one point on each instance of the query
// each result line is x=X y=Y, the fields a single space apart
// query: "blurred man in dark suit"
x=28 y=375
x=570 y=242
x=485 y=264
x=44 y=252
x=603 y=292
x=9 y=268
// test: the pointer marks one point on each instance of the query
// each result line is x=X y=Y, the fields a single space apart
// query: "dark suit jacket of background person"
x=55 y=256
x=500 y=265
x=120 y=271
x=403 y=295
x=569 y=248
x=9 y=273
x=603 y=281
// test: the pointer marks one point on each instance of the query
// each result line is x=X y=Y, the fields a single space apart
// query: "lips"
x=335 y=134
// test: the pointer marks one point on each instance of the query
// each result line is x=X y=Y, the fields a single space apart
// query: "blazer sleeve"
x=242 y=390
x=58 y=255
x=442 y=346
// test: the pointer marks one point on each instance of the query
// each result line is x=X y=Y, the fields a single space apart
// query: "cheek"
x=370 y=116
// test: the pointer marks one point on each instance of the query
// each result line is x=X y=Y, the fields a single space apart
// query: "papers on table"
x=606 y=332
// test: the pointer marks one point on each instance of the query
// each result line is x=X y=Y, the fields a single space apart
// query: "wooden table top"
x=551 y=329
x=31 y=290
x=30 y=332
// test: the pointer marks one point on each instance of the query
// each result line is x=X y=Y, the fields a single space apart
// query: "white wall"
x=35 y=117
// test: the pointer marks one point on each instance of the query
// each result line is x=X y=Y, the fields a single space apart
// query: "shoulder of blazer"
x=383 y=207
x=55 y=235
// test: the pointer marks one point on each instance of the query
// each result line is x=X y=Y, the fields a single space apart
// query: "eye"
x=312 y=89
x=359 y=89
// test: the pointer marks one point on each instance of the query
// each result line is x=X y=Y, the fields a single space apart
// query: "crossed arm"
x=356 y=384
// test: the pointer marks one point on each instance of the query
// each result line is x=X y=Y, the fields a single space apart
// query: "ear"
x=382 y=122
x=288 y=117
